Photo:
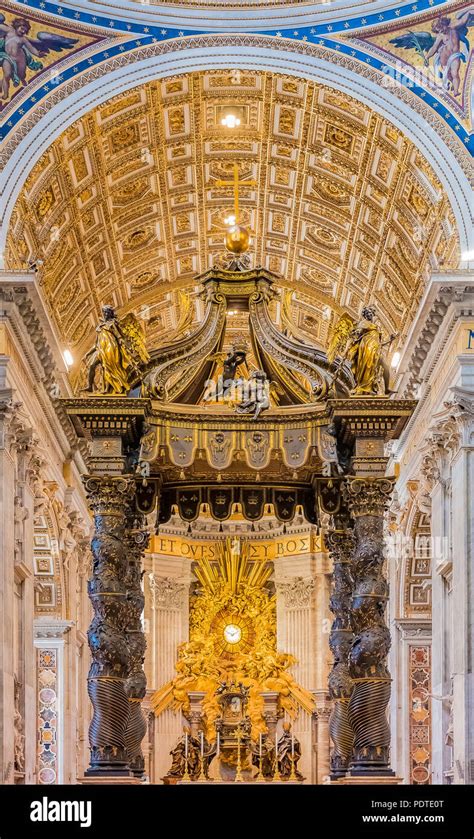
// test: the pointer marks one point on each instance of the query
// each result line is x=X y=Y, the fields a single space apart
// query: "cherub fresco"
x=19 y=52
x=447 y=44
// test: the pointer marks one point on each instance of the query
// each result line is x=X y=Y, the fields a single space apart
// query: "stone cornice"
x=443 y=290
x=418 y=629
x=24 y=311
x=246 y=534
x=51 y=627
x=448 y=298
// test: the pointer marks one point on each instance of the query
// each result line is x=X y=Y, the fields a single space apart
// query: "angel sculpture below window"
x=360 y=343
x=119 y=351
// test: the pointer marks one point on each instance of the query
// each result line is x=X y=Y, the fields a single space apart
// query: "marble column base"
x=372 y=780
x=119 y=779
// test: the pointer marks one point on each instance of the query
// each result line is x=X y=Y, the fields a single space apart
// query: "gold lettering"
x=257 y=550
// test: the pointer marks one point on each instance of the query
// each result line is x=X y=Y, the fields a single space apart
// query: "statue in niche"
x=20 y=515
x=67 y=542
x=119 y=353
x=360 y=343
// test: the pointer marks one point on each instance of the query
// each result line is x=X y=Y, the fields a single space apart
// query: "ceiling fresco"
x=362 y=41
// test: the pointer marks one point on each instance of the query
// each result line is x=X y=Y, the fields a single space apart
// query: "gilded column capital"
x=368 y=496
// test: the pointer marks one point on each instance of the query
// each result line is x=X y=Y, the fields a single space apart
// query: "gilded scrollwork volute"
x=300 y=358
x=187 y=356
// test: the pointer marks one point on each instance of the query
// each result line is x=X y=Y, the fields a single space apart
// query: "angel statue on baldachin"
x=361 y=344
x=119 y=352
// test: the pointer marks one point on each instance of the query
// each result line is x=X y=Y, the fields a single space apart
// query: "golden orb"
x=237 y=239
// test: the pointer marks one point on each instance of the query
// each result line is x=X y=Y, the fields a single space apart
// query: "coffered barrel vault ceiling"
x=125 y=208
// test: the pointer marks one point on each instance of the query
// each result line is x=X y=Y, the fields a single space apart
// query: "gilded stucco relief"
x=125 y=206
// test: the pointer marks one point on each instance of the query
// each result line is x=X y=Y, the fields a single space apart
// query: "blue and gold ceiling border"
x=68 y=43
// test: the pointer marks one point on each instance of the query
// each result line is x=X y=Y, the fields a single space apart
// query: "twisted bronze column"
x=109 y=499
x=137 y=541
x=340 y=544
x=368 y=499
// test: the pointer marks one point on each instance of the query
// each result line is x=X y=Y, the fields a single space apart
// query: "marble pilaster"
x=167 y=583
x=303 y=624
x=8 y=410
x=50 y=636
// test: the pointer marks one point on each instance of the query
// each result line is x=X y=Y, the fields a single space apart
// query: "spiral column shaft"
x=340 y=544
x=368 y=498
x=137 y=541
x=109 y=498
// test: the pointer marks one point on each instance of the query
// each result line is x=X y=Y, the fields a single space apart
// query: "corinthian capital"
x=166 y=592
x=10 y=421
x=368 y=496
x=455 y=423
x=296 y=591
x=340 y=544
x=109 y=496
